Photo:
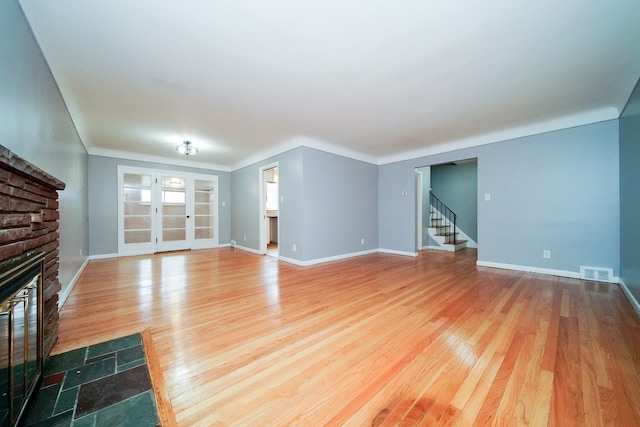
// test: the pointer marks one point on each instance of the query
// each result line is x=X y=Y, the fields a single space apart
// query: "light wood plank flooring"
x=379 y=339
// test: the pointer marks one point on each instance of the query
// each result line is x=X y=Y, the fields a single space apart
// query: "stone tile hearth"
x=106 y=384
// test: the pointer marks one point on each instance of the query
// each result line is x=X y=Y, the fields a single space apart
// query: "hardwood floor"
x=379 y=339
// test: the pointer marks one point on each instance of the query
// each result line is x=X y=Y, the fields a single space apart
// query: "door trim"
x=419 y=213
x=172 y=245
x=153 y=246
x=262 y=209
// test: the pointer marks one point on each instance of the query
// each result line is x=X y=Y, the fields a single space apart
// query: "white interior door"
x=136 y=211
x=166 y=211
x=205 y=211
x=174 y=212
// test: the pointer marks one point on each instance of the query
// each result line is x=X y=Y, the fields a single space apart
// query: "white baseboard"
x=116 y=255
x=629 y=295
x=344 y=256
x=434 y=248
x=525 y=268
x=102 y=256
x=244 y=248
x=327 y=259
x=391 y=251
x=560 y=273
x=62 y=296
x=291 y=261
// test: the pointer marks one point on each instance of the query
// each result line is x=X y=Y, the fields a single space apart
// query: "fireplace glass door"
x=21 y=356
x=5 y=366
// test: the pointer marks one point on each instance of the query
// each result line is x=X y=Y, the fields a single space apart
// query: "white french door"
x=136 y=211
x=166 y=211
x=205 y=211
x=173 y=219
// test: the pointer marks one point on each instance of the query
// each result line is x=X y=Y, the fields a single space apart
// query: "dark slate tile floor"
x=106 y=384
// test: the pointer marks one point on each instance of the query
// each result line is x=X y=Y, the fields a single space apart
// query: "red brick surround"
x=29 y=222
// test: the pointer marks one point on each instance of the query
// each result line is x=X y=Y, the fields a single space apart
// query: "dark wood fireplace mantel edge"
x=24 y=168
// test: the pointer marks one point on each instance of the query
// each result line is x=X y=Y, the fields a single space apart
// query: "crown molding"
x=105 y=152
x=304 y=141
x=585 y=118
x=566 y=122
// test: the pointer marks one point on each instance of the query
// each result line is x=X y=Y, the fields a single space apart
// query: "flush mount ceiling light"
x=187 y=149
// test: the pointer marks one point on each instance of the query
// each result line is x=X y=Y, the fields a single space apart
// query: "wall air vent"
x=596 y=273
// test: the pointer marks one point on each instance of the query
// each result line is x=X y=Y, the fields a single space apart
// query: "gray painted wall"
x=103 y=200
x=35 y=124
x=556 y=191
x=630 y=194
x=245 y=210
x=397 y=206
x=426 y=209
x=329 y=203
x=340 y=205
x=456 y=185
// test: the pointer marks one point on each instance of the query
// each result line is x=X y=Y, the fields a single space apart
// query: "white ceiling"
x=376 y=80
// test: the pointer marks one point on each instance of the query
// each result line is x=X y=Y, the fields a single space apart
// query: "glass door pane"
x=173 y=213
x=135 y=211
x=32 y=327
x=19 y=352
x=204 y=203
x=5 y=311
x=137 y=208
x=205 y=210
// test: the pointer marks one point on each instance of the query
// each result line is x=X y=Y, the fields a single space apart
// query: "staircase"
x=442 y=226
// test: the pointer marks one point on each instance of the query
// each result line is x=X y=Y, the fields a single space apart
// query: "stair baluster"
x=449 y=225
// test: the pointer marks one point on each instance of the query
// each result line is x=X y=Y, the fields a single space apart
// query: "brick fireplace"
x=29 y=222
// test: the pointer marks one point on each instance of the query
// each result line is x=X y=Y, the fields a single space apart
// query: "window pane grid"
x=174 y=198
x=136 y=197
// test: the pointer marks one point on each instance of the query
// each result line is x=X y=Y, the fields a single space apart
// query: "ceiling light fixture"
x=187 y=149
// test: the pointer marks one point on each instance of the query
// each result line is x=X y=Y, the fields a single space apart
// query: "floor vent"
x=596 y=273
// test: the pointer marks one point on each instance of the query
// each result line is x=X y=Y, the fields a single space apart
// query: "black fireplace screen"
x=20 y=335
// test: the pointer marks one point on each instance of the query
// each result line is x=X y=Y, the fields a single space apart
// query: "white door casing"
x=165 y=211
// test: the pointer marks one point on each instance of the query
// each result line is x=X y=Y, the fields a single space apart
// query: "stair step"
x=446 y=234
x=458 y=242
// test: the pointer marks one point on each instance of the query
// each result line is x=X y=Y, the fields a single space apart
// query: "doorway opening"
x=454 y=187
x=269 y=210
x=162 y=211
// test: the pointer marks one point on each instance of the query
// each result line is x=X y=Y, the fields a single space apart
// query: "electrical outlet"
x=487 y=196
x=294 y=247
x=546 y=253
x=245 y=238
x=224 y=204
x=362 y=241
